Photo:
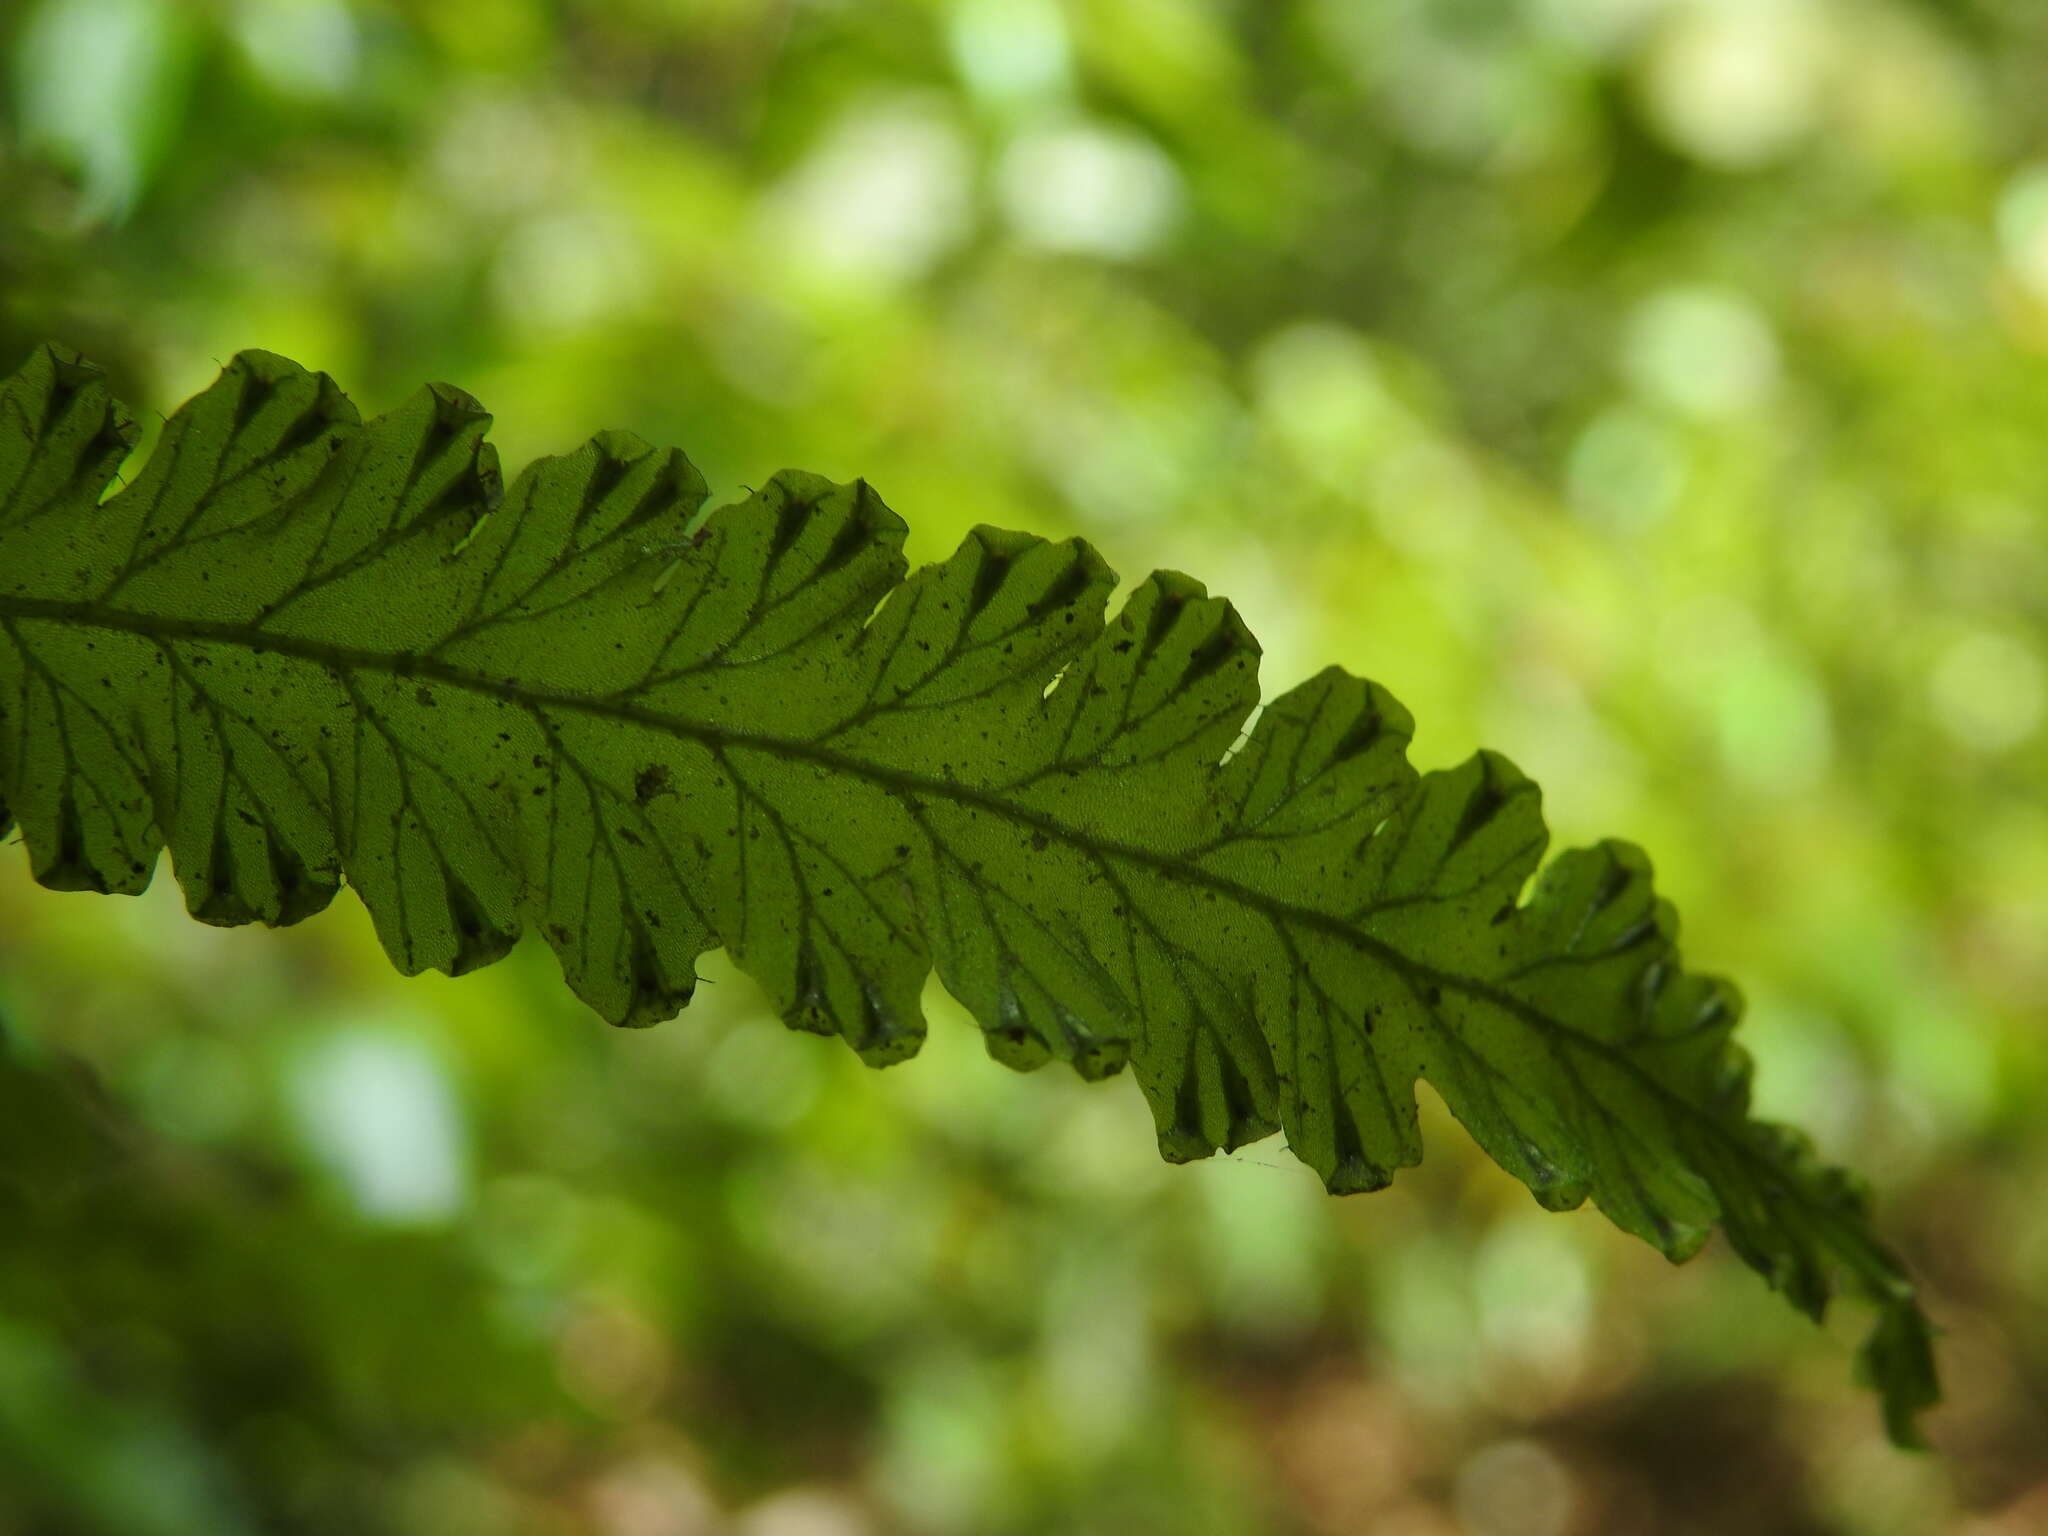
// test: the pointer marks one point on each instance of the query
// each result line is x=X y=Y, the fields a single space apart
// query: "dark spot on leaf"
x=651 y=781
x=1364 y=731
x=989 y=577
x=851 y=539
x=478 y=940
x=1219 y=648
x=1067 y=587
x=70 y=870
x=1480 y=806
x=605 y=474
x=256 y=393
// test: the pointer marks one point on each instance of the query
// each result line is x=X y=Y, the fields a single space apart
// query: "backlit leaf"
x=301 y=649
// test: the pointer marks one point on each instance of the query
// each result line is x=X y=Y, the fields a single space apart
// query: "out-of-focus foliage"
x=1652 y=388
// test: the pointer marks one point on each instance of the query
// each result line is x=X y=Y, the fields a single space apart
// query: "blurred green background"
x=1654 y=390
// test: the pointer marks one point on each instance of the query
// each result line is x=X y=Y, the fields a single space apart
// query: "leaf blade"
x=302 y=649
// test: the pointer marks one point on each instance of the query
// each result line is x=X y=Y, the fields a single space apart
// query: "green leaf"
x=300 y=649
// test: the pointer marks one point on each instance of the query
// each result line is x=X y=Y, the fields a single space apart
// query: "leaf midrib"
x=898 y=781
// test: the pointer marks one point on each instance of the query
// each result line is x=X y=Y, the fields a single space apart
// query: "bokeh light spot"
x=376 y=1108
x=1735 y=83
x=2023 y=228
x=1515 y=1488
x=1701 y=351
x=1088 y=188
x=307 y=47
x=1988 y=691
x=1626 y=469
x=1011 y=51
x=882 y=197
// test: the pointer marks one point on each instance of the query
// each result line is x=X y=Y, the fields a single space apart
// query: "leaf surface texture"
x=301 y=649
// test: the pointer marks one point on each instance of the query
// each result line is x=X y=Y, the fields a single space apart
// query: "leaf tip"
x=889 y=1049
x=1095 y=1059
x=1897 y=1361
x=1184 y=1144
x=1014 y=1046
x=1357 y=1175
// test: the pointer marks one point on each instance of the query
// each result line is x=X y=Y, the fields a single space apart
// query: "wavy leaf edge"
x=299 y=649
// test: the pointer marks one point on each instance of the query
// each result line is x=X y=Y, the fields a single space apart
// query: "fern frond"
x=301 y=649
